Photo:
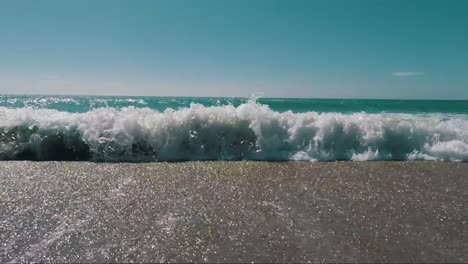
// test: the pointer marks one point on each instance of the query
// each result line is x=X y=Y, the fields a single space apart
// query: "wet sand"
x=234 y=212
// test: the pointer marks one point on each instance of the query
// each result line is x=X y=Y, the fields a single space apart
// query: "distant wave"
x=251 y=131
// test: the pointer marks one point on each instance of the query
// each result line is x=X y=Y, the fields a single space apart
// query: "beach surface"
x=234 y=212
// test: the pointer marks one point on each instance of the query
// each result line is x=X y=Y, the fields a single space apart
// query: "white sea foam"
x=250 y=131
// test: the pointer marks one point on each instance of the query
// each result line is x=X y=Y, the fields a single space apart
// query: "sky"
x=402 y=49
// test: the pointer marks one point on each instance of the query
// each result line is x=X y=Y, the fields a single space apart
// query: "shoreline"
x=217 y=211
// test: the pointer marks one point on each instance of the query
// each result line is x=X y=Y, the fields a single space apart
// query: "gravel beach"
x=234 y=212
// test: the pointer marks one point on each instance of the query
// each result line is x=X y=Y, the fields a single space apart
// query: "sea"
x=147 y=129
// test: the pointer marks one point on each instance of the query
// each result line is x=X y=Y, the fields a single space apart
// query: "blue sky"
x=332 y=48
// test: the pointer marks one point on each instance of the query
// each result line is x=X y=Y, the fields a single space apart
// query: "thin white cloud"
x=406 y=74
x=51 y=77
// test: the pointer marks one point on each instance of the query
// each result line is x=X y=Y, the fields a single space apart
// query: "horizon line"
x=237 y=97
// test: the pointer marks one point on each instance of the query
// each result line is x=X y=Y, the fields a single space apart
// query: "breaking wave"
x=251 y=131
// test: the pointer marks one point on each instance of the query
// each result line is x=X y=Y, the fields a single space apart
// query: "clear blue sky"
x=330 y=48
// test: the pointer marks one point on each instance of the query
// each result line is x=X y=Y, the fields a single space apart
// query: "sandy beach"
x=234 y=211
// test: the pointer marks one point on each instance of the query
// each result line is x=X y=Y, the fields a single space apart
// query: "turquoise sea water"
x=300 y=105
x=185 y=128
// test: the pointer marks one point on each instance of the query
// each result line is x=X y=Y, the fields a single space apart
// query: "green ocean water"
x=81 y=104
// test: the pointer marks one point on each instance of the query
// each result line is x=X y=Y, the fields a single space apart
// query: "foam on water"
x=250 y=131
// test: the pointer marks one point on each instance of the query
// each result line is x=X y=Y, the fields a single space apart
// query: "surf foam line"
x=251 y=131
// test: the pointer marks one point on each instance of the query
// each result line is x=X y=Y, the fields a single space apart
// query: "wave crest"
x=251 y=131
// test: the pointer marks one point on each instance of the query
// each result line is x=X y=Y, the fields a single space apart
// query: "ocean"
x=144 y=129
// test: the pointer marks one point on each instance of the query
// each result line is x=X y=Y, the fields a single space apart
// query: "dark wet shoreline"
x=234 y=211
